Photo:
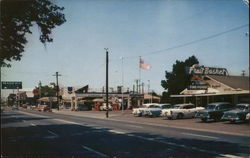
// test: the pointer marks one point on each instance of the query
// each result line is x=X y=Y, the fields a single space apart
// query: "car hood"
x=153 y=109
x=235 y=111
x=205 y=111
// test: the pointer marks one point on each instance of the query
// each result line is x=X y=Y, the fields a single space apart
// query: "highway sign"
x=11 y=85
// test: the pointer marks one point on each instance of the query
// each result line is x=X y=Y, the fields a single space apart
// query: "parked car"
x=24 y=106
x=214 y=111
x=33 y=107
x=138 y=111
x=15 y=107
x=180 y=111
x=82 y=107
x=103 y=107
x=238 y=113
x=155 y=110
x=43 y=108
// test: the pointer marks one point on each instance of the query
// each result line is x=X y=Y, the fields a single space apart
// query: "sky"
x=160 y=31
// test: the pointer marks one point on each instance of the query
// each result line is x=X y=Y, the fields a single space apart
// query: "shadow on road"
x=69 y=140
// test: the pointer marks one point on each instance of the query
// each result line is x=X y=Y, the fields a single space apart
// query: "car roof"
x=218 y=103
x=184 y=104
x=163 y=104
x=246 y=104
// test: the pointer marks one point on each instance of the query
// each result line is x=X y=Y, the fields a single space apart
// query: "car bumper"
x=230 y=119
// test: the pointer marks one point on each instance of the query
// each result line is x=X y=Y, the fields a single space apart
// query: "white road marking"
x=52 y=133
x=177 y=145
x=135 y=126
x=117 y=132
x=230 y=156
x=197 y=135
x=94 y=151
x=32 y=124
x=64 y=121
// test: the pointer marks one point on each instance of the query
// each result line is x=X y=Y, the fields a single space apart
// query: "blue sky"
x=133 y=28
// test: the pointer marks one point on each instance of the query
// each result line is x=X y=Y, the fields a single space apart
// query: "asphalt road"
x=27 y=133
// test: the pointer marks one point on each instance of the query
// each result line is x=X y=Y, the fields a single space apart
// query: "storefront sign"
x=202 y=70
x=197 y=87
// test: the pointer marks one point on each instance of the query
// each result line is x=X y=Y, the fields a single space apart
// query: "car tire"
x=204 y=120
x=179 y=116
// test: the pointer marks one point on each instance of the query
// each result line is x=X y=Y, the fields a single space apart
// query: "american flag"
x=144 y=65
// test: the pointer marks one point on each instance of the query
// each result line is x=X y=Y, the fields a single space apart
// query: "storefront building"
x=215 y=86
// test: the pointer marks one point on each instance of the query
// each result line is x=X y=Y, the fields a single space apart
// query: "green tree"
x=178 y=79
x=47 y=91
x=17 y=17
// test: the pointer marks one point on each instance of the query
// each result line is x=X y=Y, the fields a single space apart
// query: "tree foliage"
x=17 y=17
x=178 y=79
x=47 y=91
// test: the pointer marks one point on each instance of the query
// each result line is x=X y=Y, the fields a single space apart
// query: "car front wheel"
x=204 y=120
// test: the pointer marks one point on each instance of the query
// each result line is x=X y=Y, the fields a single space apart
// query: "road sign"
x=11 y=85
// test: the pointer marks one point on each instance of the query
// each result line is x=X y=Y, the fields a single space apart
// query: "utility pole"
x=107 y=83
x=57 y=89
x=122 y=85
x=40 y=89
x=137 y=81
x=142 y=84
x=0 y=85
x=243 y=73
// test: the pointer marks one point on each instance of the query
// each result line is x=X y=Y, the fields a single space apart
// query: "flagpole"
x=139 y=74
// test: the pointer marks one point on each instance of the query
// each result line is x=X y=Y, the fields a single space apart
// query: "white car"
x=180 y=111
x=155 y=110
x=138 y=111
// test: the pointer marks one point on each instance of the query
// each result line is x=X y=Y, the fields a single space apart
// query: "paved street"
x=29 y=133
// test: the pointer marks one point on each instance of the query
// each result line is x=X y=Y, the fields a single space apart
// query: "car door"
x=185 y=110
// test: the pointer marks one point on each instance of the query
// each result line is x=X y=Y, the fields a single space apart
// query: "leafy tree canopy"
x=17 y=17
x=178 y=79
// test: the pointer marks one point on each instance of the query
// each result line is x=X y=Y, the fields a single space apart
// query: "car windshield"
x=152 y=106
x=241 y=107
x=177 y=107
x=210 y=106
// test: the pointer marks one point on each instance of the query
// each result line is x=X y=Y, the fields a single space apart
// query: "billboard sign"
x=11 y=85
x=202 y=70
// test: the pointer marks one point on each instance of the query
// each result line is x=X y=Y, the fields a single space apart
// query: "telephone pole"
x=107 y=83
x=57 y=89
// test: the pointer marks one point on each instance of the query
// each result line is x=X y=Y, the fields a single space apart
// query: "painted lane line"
x=230 y=156
x=178 y=145
x=64 y=121
x=94 y=151
x=52 y=133
x=197 y=135
x=32 y=124
x=117 y=132
x=135 y=126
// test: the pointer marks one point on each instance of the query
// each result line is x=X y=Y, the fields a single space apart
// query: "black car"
x=214 y=111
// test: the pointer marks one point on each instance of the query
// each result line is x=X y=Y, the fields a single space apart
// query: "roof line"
x=219 y=82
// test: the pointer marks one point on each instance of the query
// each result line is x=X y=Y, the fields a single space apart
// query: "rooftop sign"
x=202 y=70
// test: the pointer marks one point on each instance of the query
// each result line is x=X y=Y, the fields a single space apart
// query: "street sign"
x=11 y=85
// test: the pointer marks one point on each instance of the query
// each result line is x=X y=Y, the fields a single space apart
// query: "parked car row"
x=213 y=111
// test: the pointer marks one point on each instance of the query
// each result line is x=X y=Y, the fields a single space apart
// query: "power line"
x=191 y=42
